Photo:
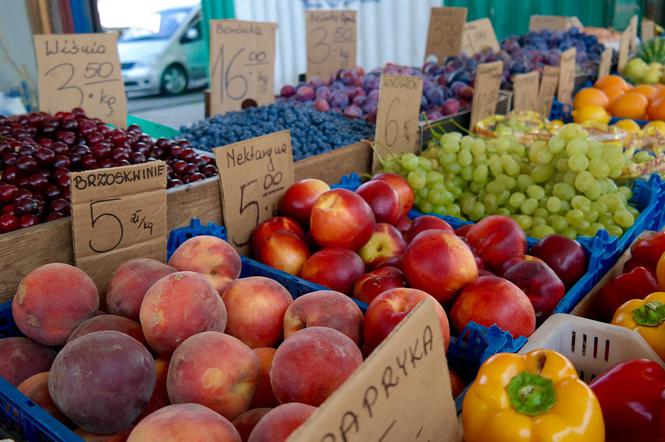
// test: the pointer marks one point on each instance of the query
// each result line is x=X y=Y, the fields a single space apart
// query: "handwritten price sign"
x=486 y=93
x=242 y=64
x=81 y=70
x=254 y=174
x=444 y=37
x=118 y=214
x=479 y=35
x=548 y=86
x=331 y=42
x=525 y=87
x=567 y=69
x=605 y=63
x=397 y=115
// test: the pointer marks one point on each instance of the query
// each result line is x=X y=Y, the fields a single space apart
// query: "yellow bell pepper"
x=647 y=317
x=537 y=396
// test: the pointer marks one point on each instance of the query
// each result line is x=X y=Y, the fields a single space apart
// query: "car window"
x=192 y=33
x=158 y=26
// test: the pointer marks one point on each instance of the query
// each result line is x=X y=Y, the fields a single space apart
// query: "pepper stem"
x=650 y=314
x=531 y=394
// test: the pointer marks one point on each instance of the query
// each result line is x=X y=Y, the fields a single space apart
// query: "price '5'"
x=251 y=207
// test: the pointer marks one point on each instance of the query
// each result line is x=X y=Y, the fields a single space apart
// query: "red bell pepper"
x=632 y=397
x=647 y=251
x=636 y=284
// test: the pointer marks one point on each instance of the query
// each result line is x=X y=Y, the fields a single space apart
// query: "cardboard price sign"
x=118 y=214
x=478 y=35
x=254 y=174
x=633 y=32
x=548 y=84
x=551 y=22
x=331 y=42
x=400 y=393
x=486 y=93
x=397 y=115
x=444 y=36
x=624 y=48
x=605 y=63
x=525 y=88
x=242 y=64
x=81 y=70
x=567 y=76
x=648 y=29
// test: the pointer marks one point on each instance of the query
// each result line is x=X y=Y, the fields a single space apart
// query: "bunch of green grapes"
x=564 y=185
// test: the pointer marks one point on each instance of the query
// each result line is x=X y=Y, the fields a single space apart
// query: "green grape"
x=502 y=198
x=535 y=191
x=477 y=212
x=593 y=192
x=502 y=211
x=417 y=179
x=582 y=226
x=456 y=191
x=490 y=202
x=439 y=210
x=516 y=199
x=594 y=151
x=467 y=173
x=495 y=165
x=624 y=218
x=423 y=192
x=519 y=150
x=633 y=211
x=578 y=162
x=610 y=186
x=481 y=159
x=562 y=165
x=591 y=216
x=614 y=159
x=457 y=181
x=563 y=191
x=584 y=180
x=416 y=200
x=495 y=187
x=536 y=148
x=599 y=207
x=478 y=147
x=434 y=177
x=542 y=231
x=511 y=166
x=454 y=168
x=476 y=187
x=614 y=230
x=524 y=221
x=436 y=198
x=529 y=206
x=437 y=187
x=538 y=222
x=447 y=158
x=409 y=161
x=642 y=157
x=553 y=204
x=569 y=233
x=523 y=181
x=577 y=146
x=599 y=168
x=574 y=217
x=451 y=137
x=569 y=178
x=426 y=207
x=565 y=206
x=558 y=222
x=606 y=218
x=541 y=212
x=556 y=144
x=480 y=174
x=580 y=202
x=595 y=227
x=542 y=172
x=424 y=163
x=466 y=142
x=466 y=201
x=453 y=210
x=626 y=192
x=544 y=157
x=464 y=158
x=571 y=131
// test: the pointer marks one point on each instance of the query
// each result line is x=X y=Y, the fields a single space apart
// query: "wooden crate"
x=23 y=250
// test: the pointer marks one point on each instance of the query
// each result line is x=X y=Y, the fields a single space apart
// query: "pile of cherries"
x=38 y=151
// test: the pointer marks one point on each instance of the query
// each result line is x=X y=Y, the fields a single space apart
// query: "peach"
x=372 y=284
x=334 y=268
x=184 y=422
x=160 y=397
x=383 y=200
x=22 y=358
x=389 y=308
x=492 y=300
x=102 y=381
x=284 y=251
x=298 y=199
x=275 y=224
x=246 y=422
x=439 y=263
x=403 y=225
x=324 y=308
x=120 y=436
x=311 y=364
x=129 y=283
x=401 y=186
x=278 y=424
x=178 y=306
x=52 y=300
x=385 y=243
x=255 y=308
x=109 y=322
x=215 y=370
x=210 y=256
x=36 y=389
x=426 y=222
x=263 y=396
x=496 y=239
x=341 y=218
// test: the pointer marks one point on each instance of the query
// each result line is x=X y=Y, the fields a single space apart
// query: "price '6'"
x=235 y=86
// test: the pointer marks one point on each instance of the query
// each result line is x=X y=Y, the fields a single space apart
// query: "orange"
x=612 y=93
x=629 y=105
x=611 y=81
x=660 y=93
x=590 y=97
x=645 y=89
x=656 y=109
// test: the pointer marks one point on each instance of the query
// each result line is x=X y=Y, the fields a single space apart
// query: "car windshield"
x=158 y=26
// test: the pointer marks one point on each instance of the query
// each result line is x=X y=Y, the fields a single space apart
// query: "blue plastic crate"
x=561 y=111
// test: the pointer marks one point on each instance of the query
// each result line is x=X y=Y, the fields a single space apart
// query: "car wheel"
x=174 y=80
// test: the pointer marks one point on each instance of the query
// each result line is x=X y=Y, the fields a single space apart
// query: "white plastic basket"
x=591 y=346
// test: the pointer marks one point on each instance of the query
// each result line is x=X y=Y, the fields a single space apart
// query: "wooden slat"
x=23 y=250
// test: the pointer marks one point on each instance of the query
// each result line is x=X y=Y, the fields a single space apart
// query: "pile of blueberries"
x=312 y=132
